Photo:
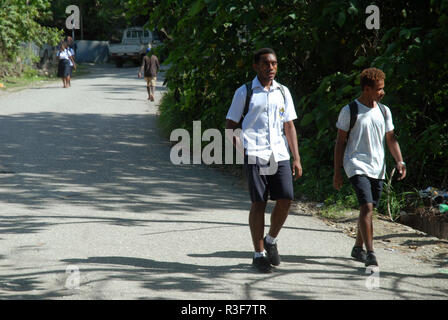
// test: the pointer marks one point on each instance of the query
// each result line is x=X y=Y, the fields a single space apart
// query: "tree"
x=19 y=22
x=322 y=46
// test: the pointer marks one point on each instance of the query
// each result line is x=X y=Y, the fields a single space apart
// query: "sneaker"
x=359 y=253
x=371 y=259
x=262 y=264
x=271 y=250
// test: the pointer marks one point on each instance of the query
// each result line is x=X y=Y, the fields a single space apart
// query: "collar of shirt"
x=256 y=83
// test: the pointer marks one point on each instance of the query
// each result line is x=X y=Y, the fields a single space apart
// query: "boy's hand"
x=337 y=180
x=296 y=169
x=401 y=168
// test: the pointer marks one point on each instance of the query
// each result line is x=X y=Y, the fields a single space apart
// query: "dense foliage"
x=322 y=46
x=20 y=24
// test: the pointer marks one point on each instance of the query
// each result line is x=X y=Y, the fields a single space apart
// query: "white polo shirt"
x=262 y=127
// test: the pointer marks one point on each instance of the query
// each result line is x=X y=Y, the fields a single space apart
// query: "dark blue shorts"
x=368 y=190
x=263 y=180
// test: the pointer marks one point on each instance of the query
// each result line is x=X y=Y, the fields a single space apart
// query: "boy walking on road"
x=150 y=67
x=267 y=130
x=363 y=128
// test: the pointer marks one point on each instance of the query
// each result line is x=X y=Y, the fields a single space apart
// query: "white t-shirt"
x=262 y=127
x=364 y=153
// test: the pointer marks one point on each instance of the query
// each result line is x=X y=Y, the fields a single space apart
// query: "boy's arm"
x=339 y=149
x=232 y=125
x=291 y=136
x=395 y=150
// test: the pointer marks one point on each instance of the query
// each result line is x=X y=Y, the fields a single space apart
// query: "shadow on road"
x=112 y=163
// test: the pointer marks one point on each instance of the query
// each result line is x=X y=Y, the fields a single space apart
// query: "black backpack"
x=354 y=114
x=249 y=96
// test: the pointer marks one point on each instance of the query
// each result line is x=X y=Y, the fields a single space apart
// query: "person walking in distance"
x=150 y=67
x=364 y=127
x=64 y=66
x=267 y=131
x=71 y=48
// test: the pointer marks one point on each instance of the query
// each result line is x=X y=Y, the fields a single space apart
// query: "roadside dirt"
x=391 y=236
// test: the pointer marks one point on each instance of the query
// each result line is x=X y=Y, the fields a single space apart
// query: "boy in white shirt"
x=268 y=130
x=360 y=150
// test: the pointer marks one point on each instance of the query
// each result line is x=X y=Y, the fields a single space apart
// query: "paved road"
x=88 y=186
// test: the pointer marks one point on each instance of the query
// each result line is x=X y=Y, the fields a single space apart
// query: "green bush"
x=322 y=46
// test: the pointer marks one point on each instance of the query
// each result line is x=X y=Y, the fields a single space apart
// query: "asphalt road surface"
x=93 y=208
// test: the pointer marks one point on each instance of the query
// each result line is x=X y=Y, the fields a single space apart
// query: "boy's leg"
x=365 y=225
x=258 y=194
x=359 y=241
x=148 y=87
x=152 y=87
x=363 y=189
x=281 y=190
x=257 y=185
x=278 y=216
x=256 y=224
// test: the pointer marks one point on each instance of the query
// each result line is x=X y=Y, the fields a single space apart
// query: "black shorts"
x=368 y=190
x=263 y=184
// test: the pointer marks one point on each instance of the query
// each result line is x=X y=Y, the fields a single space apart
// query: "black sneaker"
x=371 y=259
x=271 y=250
x=262 y=264
x=359 y=253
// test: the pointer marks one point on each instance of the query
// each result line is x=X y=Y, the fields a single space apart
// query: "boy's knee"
x=258 y=206
x=366 y=209
x=284 y=202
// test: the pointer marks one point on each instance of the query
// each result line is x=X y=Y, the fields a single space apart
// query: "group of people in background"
x=66 y=57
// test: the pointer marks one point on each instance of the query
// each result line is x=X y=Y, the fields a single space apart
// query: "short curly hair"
x=370 y=76
x=262 y=51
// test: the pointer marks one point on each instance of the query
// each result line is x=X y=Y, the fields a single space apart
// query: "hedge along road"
x=93 y=208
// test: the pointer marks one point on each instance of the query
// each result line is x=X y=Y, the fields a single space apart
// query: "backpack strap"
x=249 y=93
x=282 y=90
x=353 y=115
x=383 y=110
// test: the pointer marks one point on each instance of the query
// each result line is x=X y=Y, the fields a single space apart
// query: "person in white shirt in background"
x=70 y=48
x=65 y=62
x=360 y=150
x=267 y=131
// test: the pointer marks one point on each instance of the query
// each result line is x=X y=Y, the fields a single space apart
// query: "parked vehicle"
x=133 y=46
